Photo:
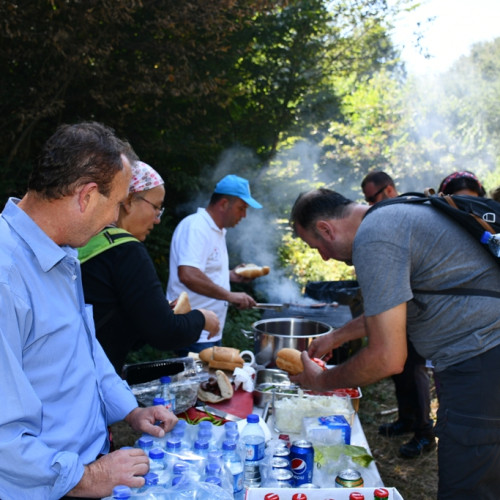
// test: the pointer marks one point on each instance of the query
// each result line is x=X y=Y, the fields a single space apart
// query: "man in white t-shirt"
x=199 y=263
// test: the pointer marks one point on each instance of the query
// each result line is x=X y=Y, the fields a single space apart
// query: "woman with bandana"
x=120 y=281
x=463 y=183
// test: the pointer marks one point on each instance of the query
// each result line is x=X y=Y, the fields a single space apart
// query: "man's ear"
x=127 y=204
x=325 y=229
x=86 y=195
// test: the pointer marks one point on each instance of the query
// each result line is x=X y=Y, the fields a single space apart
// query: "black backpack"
x=473 y=213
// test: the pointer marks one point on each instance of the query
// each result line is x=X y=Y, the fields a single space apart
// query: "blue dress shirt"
x=58 y=389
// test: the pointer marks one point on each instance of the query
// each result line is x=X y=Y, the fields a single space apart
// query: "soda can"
x=283 y=478
x=349 y=478
x=279 y=463
x=282 y=452
x=302 y=461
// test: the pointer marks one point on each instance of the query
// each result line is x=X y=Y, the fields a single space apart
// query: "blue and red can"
x=302 y=461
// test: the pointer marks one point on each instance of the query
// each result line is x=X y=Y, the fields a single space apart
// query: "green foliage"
x=304 y=264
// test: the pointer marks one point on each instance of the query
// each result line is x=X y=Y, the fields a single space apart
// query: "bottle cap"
x=145 y=441
x=121 y=491
x=201 y=444
x=165 y=380
x=180 y=468
x=151 y=478
x=228 y=445
x=253 y=418
x=156 y=453
x=158 y=402
x=485 y=237
x=173 y=444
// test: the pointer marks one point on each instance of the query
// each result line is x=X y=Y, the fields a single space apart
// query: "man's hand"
x=120 y=467
x=241 y=300
x=311 y=377
x=234 y=277
x=322 y=346
x=212 y=323
x=143 y=420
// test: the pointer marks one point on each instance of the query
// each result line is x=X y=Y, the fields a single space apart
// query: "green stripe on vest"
x=107 y=238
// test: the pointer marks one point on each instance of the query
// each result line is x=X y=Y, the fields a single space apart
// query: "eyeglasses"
x=373 y=197
x=160 y=210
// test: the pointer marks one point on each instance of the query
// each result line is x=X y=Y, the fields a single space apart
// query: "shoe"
x=417 y=446
x=396 y=428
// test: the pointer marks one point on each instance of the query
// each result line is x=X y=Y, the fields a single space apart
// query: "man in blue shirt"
x=59 y=391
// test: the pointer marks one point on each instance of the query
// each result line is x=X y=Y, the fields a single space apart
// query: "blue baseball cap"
x=236 y=186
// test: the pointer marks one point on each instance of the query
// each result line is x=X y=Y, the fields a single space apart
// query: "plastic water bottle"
x=121 y=492
x=234 y=463
x=493 y=242
x=145 y=443
x=156 y=460
x=167 y=394
x=150 y=480
x=254 y=439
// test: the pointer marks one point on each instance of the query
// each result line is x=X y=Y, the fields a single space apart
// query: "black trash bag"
x=346 y=293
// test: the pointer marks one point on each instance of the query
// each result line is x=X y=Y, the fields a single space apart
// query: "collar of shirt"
x=203 y=212
x=46 y=251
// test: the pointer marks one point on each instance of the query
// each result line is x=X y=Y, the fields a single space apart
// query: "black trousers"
x=468 y=428
x=413 y=393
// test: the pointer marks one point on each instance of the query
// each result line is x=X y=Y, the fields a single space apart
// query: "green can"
x=349 y=478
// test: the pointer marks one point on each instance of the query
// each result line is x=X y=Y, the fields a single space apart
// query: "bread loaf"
x=182 y=306
x=223 y=358
x=288 y=359
x=252 y=270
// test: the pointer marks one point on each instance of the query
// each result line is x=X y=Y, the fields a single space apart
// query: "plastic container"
x=330 y=430
x=290 y=408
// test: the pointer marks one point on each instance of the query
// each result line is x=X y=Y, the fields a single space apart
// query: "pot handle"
x=248 y=334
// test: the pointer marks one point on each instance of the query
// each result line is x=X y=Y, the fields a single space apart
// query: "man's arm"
x=384 y=355
x=324 y=344
x=200 y=283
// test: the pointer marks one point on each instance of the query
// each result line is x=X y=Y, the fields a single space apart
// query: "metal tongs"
x=273 y=307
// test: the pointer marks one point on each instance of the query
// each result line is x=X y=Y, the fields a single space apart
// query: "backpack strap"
x=479 y=220
x=415 y=198
x=106 y=239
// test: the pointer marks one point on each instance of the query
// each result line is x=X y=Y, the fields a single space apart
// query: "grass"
x=415 y=479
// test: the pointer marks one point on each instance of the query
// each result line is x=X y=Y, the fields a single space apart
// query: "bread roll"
x=288 y=359
x=182 y=306
x=252 y=271
x=223 y=358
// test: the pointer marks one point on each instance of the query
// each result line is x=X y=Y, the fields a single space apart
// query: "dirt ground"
x=415 y=479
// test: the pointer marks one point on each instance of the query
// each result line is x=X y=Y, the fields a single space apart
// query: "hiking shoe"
x=396 y=428
x=417 y=446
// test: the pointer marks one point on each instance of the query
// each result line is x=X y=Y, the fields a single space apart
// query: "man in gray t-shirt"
x=400 y=252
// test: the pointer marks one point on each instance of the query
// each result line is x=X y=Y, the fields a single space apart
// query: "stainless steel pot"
x=271 y=335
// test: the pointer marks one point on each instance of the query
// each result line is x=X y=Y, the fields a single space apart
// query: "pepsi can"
x=302 y=461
